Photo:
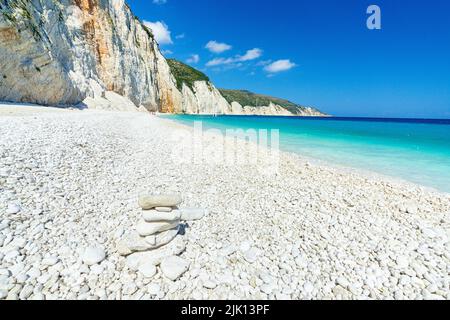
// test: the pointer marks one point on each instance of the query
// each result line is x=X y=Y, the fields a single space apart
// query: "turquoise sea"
x=416 y=150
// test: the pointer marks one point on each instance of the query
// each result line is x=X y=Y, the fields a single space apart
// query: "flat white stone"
x=147 y=269
x=148 y=228
x=153 y=289
x=191 y=214
x=251 y=255
x=133 y=242
x=50 y=261
x=402 y=262
x=3 y=294
x=209 y=284
x=13 y=208
x=93 y=255
x=175 y=247
x=173 y=267
x=157 y=216
x=147 y=202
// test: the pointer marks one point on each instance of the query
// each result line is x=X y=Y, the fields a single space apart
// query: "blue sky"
x=318 y=53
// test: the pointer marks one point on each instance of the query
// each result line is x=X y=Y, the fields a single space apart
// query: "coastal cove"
x=415 y=150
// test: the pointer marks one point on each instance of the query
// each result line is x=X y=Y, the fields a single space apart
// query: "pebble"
x=411 y=207
x=147 y=229
x=251 y=255
x=50 y=261
x=3 y=294
x=308 y=287
x=173 y=267
x=147 y=202
x=93 y=255
x=209 y=284
x=97 y=269
x=26 y=292
x=245 y=246
x=82 y=170
x=153 y=289
x=156 y=216
x=402 y=262
x=148 y=270
x=13 y=208
x=192 y=214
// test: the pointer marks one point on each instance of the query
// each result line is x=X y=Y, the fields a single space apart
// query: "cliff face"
x=64 y=52
x=95 y=52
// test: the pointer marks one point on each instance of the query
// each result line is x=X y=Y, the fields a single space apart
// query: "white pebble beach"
x=70 y=180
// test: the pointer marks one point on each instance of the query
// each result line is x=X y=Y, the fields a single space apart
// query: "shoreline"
x=366 y=173
x=310 y=232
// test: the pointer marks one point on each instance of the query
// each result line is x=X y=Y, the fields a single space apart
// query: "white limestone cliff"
x=96 y=53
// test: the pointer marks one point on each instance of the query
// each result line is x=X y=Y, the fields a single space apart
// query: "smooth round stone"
x=308 y=287
x=411 y=207
x=245 y=246
x=26 y=292
x=147 y=202
x=97 y=269
x=147 y=229
x=173 y=267
x=50 y=261
x=251 y=255
x=209 y=284
x=266 y=288
x=402 y=262
x=148 y=270
x=130 y=243
x=133 y=242
x=156 y=256
x=13 y=208
x=153 y=289
x=161 y=238
x=157 y=216
x=5 y=172
x=93 y=255
x=3 y=294
x=191 y=214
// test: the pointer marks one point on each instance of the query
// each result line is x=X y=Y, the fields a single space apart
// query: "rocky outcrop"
x=70 y=51
x=204 y=98
x=272 y=109
x=95 y=53
x=62 y=52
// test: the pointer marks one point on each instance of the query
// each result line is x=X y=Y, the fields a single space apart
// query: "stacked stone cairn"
x=156 y=240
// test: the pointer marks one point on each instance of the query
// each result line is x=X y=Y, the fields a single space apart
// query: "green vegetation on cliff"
x=185 y=74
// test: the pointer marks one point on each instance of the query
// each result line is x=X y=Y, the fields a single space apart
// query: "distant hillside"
x=247 y=98
x=185 y=74
x=250 y=103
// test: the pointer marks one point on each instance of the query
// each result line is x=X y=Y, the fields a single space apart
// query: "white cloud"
x=166 y=52
x=280 y=65
x=194 y=58
x=251 y=54
x=217 y=47
x=219 y=61
x=160 y=31
x=180 y=36
x=159 y=1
